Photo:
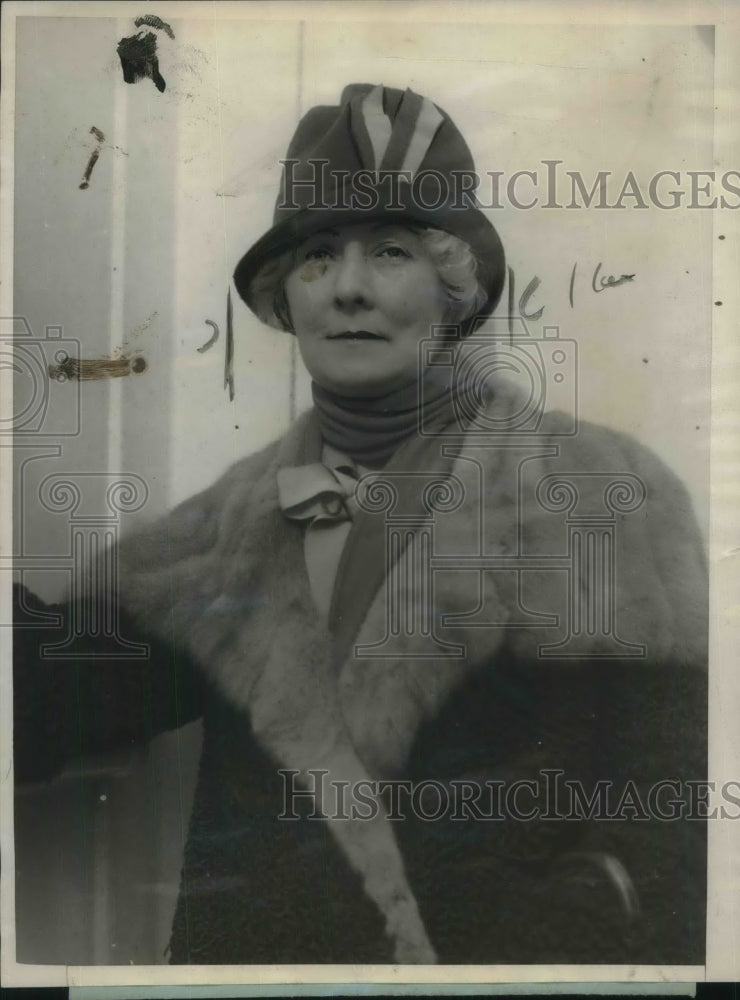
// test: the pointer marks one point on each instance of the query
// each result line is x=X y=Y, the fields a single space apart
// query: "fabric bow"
x=317 y=492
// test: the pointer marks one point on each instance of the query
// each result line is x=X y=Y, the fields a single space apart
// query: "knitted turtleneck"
x=370 y=429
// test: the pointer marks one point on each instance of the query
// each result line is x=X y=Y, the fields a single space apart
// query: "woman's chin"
x=366 y=389
x=362 y=382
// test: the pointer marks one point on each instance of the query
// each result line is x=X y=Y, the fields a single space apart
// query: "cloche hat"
x=381 y=153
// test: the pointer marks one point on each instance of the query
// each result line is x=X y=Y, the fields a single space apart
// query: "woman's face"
x=361 y=298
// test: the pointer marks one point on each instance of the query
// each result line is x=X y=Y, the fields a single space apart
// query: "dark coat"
x=219 y=589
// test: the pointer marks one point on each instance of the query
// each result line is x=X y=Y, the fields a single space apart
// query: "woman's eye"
x=394 y=251
x=318 y=253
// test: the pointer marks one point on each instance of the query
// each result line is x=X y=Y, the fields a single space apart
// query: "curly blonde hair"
x=454 y=260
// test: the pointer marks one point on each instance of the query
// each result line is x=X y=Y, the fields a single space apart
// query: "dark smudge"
x=94 y=156
x=138 y=55
x=152 y=21
x=85 y=184
x=85 y=371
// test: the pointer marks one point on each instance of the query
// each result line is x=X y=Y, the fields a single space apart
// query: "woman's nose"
x=352 y=279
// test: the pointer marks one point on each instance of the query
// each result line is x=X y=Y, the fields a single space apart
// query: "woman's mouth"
x=356 y=335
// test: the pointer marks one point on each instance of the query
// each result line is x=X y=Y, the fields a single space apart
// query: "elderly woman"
x=449 y=655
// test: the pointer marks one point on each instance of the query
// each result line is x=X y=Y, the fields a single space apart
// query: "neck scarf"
x=370 y=430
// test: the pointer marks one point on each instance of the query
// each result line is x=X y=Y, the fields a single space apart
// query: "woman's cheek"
x=304 y=311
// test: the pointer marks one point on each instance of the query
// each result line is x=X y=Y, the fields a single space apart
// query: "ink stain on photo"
x=93 y=370
x=152 y=21
x=94 y=157
x=85 y=182
x=139 y=61
x=141 y=327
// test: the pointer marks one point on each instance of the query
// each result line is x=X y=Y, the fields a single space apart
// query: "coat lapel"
x=365 y=562
x=255 y=632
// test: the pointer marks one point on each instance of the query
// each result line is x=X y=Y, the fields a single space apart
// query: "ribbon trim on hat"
x=425 y=129
x=377 y=124
x=402 y=144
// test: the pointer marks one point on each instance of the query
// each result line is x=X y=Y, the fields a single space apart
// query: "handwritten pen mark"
x=610 y=281
x=152 y=21
x=94 y=156
x=526 y=296
x=511 y=289
x=209 y=343
x=572 y=282
x=229 y=359
x=84 y=371
x=138 y=55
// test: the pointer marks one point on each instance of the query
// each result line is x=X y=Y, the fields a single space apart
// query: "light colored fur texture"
x=224 y=573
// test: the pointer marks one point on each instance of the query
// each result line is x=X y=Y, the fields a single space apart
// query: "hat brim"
x=468 y=223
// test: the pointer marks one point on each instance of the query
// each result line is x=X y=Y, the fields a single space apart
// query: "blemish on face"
x=312 y=270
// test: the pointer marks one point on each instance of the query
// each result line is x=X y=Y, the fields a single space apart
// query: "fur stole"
x=224 y=573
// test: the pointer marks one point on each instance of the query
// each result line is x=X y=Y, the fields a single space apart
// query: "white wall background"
x=186 y=182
